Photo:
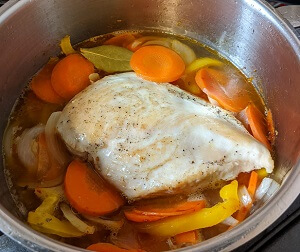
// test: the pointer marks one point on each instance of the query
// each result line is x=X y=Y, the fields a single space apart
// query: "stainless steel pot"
x=247 y=32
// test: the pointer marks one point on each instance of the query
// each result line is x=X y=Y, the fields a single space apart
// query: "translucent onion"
x=25 y=146
x=273 y=188
x=112 y=225
x=244 y=196
x=212 y=101
x=144 y=39
x=75 y=221
x=164 y=43
x=186 y=53
x=55 y=148
x=263 y=188
x=230 y=221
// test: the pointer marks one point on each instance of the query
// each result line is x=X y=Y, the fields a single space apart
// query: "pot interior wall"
x=242 y=31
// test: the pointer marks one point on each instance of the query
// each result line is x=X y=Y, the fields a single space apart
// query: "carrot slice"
x=122 y=40
x=257 y=124
x=157 y=63
x=253 y=183
x=147 y=214
x=190 y=237
x=88 y=193
x=71 y=75
x=243 y=212
x=270 y=126
x=41 y=85
x=107 y=247
x=213 y=82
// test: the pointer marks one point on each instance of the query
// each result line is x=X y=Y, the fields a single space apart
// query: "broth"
x=30 y=111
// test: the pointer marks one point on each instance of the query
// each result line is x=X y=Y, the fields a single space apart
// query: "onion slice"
x=263 y=188
x=185 y=52
x=113 y=225
x=244 y=196
x=230 y=221
x=75 y=221
x=25 y=146
x=55 y=148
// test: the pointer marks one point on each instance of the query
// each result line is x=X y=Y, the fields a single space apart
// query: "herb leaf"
x=108 y=58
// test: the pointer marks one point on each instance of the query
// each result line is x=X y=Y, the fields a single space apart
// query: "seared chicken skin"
x=150 y=139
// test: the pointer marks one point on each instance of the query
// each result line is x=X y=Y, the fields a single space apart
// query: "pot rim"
x=252 y=226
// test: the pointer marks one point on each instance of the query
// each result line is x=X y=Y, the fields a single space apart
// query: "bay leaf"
x=109 y=58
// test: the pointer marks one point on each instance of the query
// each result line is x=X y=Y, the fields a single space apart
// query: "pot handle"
x=292 y=14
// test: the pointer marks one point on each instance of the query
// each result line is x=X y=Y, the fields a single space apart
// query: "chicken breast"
x=150 y=139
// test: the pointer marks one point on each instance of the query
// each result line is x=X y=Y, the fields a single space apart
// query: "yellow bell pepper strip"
x=48 y=205
x=44 y=192
x=202 y=62
x=47 y=223
x=205 y=217
x=262 y=173
x=65 y=45
x=43 y=220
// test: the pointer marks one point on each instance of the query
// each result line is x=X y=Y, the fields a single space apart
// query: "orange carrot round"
x=214 y=83
x=257 y=124
x=41 y=85
x=88 y=193
x=157 y=63
x=71 y=75
x=107 y=247
x=146 y=214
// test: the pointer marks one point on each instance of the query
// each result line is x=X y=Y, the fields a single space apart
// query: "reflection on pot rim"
x=289 y=60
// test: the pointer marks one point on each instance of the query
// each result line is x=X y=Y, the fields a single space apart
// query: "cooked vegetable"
x=107 y=247
x=42 y=87
x=217 y=86
x=56 y=150
x=157 y=63
x=246 y=203
x=122 y=40
x=257 y=124
x=108 y=58
x=165 y=43
x=266 y=189
x=244 y=196
x=243 y=213
x=43 y=220
x=65 y=45
x=56 y=191
x=75 y=221
x=230 y=221
x=71 y=75
x=145 y=214
x=49 y=172
x=135 y=45
x=252 y=183
x=203 y=62
x=190 y=237
x=262 y=173
x=186 y=53
x=271 y=127
x=88 y=193
x=205 y=217
x=113 y=225
x=27 y=147
x=188 y=83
